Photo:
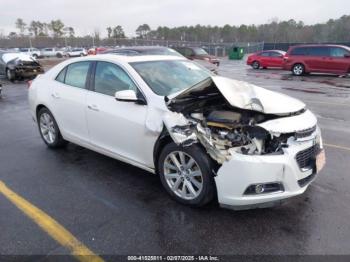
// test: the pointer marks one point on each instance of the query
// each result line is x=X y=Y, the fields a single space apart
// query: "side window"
x=338 y=52
x=110 y=78
x=61 y=76
x=299 y=51
x=264 y=54
x=319 y=51
x=76 y=74
x=275 y=54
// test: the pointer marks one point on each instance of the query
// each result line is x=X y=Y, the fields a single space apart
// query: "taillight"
x=29 y=83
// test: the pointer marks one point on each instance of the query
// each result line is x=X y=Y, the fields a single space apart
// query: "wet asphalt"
x=114 y=208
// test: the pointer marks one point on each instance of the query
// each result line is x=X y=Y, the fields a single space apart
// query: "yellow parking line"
x=338 y=147
x=50 y=226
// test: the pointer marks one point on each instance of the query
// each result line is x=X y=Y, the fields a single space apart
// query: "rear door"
x=339 y=60
x=276 y=59
x=68 y=101
x=264 y=59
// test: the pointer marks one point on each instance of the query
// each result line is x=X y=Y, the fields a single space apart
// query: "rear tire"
x=298 y=69
x=256 y=65
x=186 y=174
x=59 y=55
x=48 y=129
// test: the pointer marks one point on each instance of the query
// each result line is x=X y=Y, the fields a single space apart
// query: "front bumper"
x=242 y=171
x=28 y=72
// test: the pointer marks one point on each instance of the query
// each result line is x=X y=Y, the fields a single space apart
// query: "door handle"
x=93 y=107
x=55 y=95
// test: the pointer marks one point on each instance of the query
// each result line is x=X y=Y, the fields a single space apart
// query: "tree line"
x=291 y=31
x=334 y=30
x=55 y=28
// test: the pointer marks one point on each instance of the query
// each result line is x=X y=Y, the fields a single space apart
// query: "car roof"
x=132 y=59
x=320 y=45
x=273 y=50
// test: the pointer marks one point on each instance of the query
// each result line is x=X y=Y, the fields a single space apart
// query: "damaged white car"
x=204 y=135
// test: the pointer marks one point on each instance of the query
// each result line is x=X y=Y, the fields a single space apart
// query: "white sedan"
x=202 y=134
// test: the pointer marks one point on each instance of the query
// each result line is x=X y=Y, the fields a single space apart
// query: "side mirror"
x=126 y=96
x=129 y=96
x=347 y=55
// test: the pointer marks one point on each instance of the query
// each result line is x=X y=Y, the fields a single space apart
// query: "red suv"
x=265 y=59
x=303 y=59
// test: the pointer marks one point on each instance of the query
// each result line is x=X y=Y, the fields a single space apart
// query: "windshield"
x=199 y=51
x=169 y=77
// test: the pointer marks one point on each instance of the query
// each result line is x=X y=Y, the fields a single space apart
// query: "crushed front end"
x=25 y=69
x=262 y=158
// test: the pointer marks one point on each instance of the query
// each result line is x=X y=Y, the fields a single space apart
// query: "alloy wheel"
x=298 y=70
x=183 y=175
x=47 y=128
x=256 y=65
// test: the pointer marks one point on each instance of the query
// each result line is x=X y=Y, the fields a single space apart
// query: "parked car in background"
x=143 y=50
x=266 y=59
x=96 y=50
x=302 y=59
x=77 y=52
x=34 y=52
x=17 y=66
x=157 y=50
x=53 y=52
x=205 y=136
x=197 y=53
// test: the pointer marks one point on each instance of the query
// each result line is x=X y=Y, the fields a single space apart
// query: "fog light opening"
x=259 y=189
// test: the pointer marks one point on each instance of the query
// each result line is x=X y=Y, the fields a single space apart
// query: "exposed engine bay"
x=206 y=117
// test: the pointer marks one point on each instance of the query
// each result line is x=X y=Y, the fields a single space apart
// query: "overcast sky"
x=86 y=15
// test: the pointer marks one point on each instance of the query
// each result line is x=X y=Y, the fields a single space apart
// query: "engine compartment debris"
x=204 y=116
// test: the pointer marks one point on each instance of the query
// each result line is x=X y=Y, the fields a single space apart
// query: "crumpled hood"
x=13 y=56
x=251 y=97
x=247 y=96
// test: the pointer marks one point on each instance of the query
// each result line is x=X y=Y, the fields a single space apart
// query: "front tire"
x=10 y=75
x=298 y=70
x=186 y=174
x=59 y=55
x=49 y=130
x=256 y=65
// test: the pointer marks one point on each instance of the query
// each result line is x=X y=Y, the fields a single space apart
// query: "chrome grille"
x=306 y=158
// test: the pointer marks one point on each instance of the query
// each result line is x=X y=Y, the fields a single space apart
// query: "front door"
x=115 y=126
